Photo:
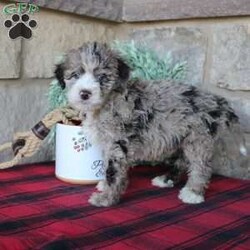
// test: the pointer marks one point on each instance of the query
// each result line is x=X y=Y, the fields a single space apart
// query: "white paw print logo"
x=80 y=143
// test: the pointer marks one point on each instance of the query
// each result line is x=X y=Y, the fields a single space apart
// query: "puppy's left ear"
x=123 y=75
x=59 y=74
x=123 y=70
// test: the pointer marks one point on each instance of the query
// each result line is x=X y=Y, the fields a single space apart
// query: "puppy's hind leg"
x=176 y=165
x=199 y=155
x=116 y=180
x=168 y=180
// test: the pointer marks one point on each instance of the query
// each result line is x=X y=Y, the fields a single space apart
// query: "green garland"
x=147 y=65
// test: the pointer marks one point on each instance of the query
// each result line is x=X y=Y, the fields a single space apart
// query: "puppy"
x=157 y=121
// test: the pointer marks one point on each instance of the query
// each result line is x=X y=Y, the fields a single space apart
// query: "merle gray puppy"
x=136 y=120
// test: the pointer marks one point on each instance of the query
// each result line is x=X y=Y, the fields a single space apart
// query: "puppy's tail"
x=232 y=157
x=239 y=139
x=243 y=150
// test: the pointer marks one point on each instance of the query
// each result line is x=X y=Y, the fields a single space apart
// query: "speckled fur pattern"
x=153 y=121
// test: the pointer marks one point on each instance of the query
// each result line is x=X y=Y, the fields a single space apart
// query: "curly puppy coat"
x=136 y=120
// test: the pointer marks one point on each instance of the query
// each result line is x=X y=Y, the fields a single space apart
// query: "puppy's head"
x=90 y=74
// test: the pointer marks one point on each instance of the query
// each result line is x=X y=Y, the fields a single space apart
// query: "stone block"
x=230 y=68
x=152 y=10
x=56 y=34
x=23 y=104
x=108 y=9
x=242 y=108
x=185 y=43
x=10 y=51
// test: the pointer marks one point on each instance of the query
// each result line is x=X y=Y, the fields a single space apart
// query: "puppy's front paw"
x=101 y=186
x=102 y=199
x=189 y=196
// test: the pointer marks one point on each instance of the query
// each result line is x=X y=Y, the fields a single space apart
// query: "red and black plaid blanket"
x=37 y=211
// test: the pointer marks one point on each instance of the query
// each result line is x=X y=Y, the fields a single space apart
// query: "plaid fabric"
x=37 y=211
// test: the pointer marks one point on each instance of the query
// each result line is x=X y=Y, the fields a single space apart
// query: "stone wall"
x=26 y=68
x=217 y=52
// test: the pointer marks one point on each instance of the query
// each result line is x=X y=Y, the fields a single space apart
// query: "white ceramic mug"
x=77 y=160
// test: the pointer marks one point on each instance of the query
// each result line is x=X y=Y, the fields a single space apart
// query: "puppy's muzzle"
x=85 y=94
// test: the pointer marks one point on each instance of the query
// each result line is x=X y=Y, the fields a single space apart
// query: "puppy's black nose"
x=85 y=94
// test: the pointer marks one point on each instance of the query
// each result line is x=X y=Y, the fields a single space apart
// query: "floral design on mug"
x=80 y=143
x=98 y=167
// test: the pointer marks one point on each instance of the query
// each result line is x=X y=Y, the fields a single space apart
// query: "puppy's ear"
x=123 y=75
x=123 y=70
x=59 y=74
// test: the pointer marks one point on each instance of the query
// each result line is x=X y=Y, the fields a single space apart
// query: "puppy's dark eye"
x=102 y=78
x=75 y=75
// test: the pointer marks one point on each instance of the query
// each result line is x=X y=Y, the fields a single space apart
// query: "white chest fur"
x=100 y=129
x=90 y=128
